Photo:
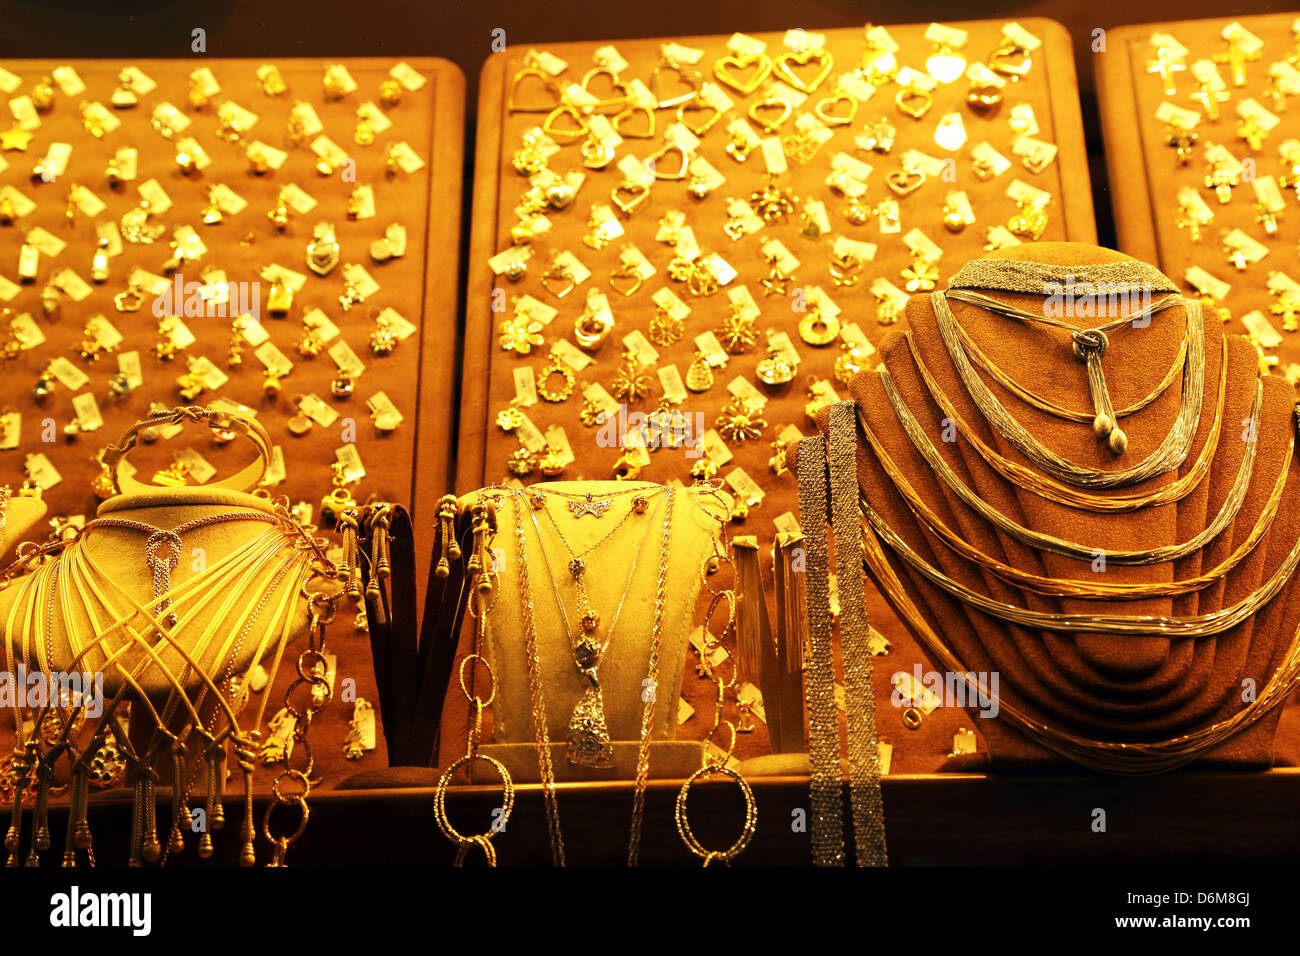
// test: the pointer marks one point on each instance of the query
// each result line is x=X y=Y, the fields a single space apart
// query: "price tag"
x=353 y=468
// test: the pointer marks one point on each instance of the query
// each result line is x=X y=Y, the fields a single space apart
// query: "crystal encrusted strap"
x=1016 y=275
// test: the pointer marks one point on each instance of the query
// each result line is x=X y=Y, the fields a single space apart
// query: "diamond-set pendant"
x=589 y=506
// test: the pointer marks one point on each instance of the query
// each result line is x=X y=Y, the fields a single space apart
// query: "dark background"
x=462 y=32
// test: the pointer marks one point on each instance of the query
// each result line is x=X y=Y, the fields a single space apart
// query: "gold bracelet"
x=684 y=824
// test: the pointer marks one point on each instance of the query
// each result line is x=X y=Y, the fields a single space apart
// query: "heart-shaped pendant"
x=689 y=77
x=1010 y=60
x=905 y=180
x=945 y=65
x=825 y=108
x=694 y=106
x=914 y=101
x=758 y=112
x=786 y=62
x=655 y=161
x=512 y=100
x=569 y=133
x=620 y=122
x=629 y=196
x=618 y=89
x=726 y=67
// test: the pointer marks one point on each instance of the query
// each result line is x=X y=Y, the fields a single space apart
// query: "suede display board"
x=489 y=374
x=1105 y=687
x=411 y=464
x=1145 y=176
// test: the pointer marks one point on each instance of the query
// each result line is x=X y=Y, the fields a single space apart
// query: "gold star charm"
x=15 y=139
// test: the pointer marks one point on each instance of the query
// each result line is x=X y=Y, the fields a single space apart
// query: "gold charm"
x=557 y=394
x=1029 y=223
x=819 y=329
x=737 y=333
x=825 y=108
x=520 y=333
x=727 y=68
x=739 y=422
x=665 y=329
x=770 y=113
x=633 y=381
x=784 y=65
x=776 y=369
x=323 y=250
x=846 y=269
x=699 y=375
x=922 y=274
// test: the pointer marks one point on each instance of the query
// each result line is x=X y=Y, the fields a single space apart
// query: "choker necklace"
x=1044 y=487
x=1168 y=456
x=1227 y=512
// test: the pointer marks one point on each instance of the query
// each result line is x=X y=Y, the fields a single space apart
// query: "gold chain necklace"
x=1070 y=549
x=1045 y=487
x=1030 y=397
x=1067 y=587
x=1169 y=455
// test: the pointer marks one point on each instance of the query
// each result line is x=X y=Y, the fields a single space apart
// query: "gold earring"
x=922 y=274
x=824 y=108
x=759 y=109
x=739 y=146
x=914 y=101
x=364 y=134
x=665 y=328
x=846 y=269
x=819 y=329
x=545 y=391
x=699 y=375
x=279 y=213
x=629 y=196
x=737 y=333
x=725 y=67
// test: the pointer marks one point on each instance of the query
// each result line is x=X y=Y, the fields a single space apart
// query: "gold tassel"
x=245 y=753
x=450 y=549
x=791 y=609
x=751 y=610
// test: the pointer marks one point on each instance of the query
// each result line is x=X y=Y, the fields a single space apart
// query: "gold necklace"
x=589 y=744
x=1067 y=587
x=1045 y=487
x=1169 y=455
x=1070 y=549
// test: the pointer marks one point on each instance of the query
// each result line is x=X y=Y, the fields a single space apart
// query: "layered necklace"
x=1089 y=345
x=1073 y=485
x=589 y=743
